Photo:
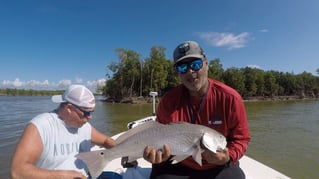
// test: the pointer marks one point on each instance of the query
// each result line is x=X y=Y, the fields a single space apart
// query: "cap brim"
x=189 y=56
x=57 y=99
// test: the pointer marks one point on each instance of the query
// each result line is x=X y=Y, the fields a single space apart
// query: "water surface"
x=285 y=134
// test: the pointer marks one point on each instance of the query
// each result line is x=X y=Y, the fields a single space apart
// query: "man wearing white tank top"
x=51 y=140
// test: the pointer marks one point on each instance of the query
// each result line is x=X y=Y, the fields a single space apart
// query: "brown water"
x=285 y=134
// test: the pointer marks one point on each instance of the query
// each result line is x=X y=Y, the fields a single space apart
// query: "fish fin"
x=178 y=158
x=94 y=160
x=197 y=155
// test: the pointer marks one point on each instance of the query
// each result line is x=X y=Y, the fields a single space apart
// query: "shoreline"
x=146 y=100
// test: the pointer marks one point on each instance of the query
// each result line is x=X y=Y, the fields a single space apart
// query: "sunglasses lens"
x=182 y=68
x=86 y=113
x=196 y=65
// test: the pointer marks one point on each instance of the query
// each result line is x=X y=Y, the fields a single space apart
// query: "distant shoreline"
x=277 y=98
x=146 y=100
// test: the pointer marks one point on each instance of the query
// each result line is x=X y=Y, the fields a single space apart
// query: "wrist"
x=229 y=162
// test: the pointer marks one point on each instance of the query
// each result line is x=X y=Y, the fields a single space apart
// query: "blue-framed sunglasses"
x=194 y=65
x=85 y=113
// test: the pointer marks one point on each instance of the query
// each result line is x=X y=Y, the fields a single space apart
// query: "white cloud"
x=46 y=85
x=264 y=30
x=35 y=83
x=254 y=66
x=97 y=84
x=101 y=82
x=15 y=83
x=229 y=40
x=64 y=83
x=78 y=80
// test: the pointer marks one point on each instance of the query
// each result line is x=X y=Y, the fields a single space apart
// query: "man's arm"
x=27 y=153
x=239 y=134
x=100 y=139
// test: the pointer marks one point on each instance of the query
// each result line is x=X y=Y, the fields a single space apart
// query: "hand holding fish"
x=156 y=156
x=221 y=157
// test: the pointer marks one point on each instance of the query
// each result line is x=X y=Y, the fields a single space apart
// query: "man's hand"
x=156 y=156
x=70 y=174
x=218 y=158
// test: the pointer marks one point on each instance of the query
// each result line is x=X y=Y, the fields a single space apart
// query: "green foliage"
x=235 y=79
x=132 y=76
x=271 y=85
x=216 y=69
x=28 y=92
x=254 y=81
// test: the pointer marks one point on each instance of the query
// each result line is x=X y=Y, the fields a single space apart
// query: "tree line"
x=132 y=76
x=28 y=92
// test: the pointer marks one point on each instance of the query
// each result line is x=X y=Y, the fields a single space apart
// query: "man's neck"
x=201 y=92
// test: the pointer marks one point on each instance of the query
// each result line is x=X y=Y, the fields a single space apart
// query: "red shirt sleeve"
x=238 y=135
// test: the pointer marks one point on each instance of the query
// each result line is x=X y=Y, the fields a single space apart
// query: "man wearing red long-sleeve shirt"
x=204 y=101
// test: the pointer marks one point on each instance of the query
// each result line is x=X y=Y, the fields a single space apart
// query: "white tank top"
x=61 y=143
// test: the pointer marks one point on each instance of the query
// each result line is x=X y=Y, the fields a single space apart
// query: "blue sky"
x=50 y=44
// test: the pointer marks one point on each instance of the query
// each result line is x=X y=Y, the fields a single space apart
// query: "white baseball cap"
x=78 y=95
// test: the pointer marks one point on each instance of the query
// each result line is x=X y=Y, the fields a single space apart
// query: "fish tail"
x=95 y=161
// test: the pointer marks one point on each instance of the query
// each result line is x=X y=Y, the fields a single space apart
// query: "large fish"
x=184 y=140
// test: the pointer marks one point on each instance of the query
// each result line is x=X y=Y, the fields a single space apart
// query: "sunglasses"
x=194 y=65
x=85 y=113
